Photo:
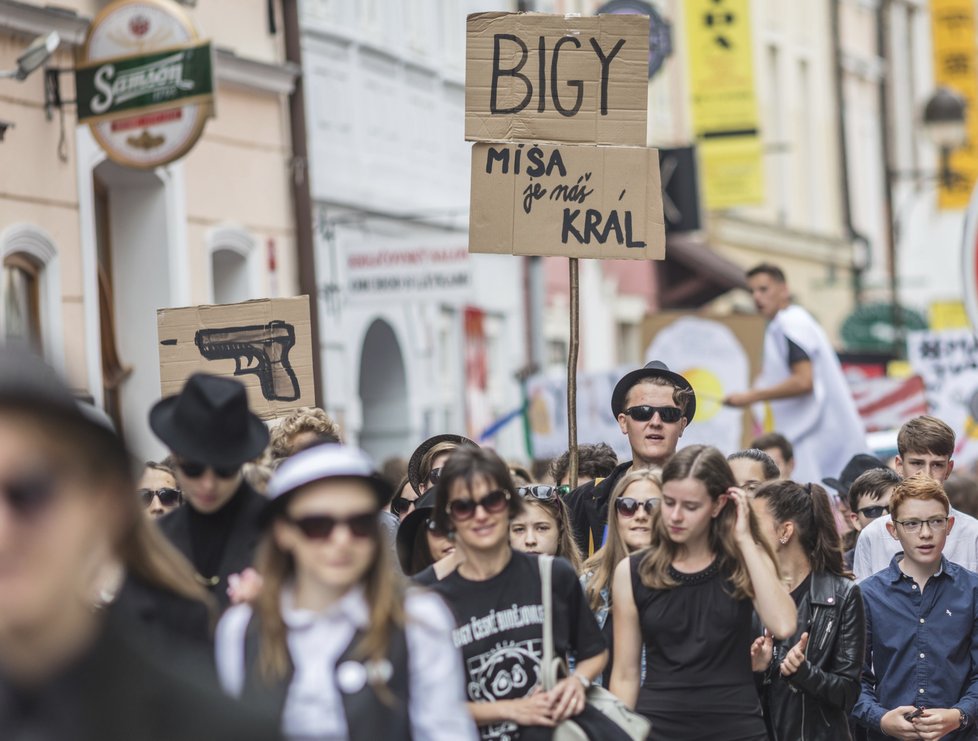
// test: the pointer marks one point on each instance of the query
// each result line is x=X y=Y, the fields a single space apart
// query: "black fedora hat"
x=856 y=466
x=209 y=422
x=653 y=369
x=414 y=465
x=407 y=531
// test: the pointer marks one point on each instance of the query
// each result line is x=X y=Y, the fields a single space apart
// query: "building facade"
x=418 y=336
x=92 y=249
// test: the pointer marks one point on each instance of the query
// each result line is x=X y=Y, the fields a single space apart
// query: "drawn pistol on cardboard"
x=261 y=350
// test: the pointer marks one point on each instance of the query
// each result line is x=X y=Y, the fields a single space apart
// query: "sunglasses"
x=628 y=506
x=434 y=476
x=28 y=496
x=493 y=503
x=400 y=505
x=168 y=497
x=877 y=510
x=195 y=470
x=541 y=492
x=645 y=412
x=564 y=490
x=434 y=529
x=321 y=527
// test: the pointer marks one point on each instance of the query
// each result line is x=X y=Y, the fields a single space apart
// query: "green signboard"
x=131 y=85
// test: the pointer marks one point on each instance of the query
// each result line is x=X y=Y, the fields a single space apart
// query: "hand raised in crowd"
x=535 y=709
x=935 y=723
x=567 y=698
x=895 y=725
x=761 y=652
x=244 y=587
x=738 y=498
x=795 y=657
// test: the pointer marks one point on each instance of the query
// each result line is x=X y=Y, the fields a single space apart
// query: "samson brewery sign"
x=146 y=84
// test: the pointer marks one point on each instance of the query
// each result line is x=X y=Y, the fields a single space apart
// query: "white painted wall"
x=390 y=169
x=139 y=233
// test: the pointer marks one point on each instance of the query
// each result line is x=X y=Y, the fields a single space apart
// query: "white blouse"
x=314 y=707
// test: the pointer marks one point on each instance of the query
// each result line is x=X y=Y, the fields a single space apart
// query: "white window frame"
x=237 y=239
x=35 y=243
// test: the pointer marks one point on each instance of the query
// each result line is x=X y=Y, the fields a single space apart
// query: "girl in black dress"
x=689 y=599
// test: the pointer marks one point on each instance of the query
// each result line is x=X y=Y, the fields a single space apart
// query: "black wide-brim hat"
x=407 y=530
x=414 y=465
x=209 y=422
x=856 y=467
x=654 y=369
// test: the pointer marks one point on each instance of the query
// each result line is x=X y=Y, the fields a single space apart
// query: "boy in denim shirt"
x=920 y=679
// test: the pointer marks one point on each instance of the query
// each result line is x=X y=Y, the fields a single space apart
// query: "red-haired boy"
x=920 y=679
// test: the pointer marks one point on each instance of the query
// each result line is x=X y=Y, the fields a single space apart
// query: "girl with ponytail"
x=811 y=680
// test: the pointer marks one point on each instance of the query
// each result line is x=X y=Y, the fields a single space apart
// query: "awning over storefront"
x=693 y=274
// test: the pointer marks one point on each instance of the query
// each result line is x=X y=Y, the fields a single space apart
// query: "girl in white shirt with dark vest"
x=333 y=644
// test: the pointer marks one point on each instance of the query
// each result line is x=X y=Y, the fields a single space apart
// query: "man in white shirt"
x=801 y=382
x=925 y=446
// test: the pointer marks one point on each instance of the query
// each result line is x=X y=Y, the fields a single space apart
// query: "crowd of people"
x=263 y=584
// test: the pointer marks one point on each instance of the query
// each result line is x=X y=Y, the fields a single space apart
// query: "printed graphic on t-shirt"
x=505 y=668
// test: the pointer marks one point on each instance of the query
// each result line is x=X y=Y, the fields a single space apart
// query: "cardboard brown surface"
x=539 y=199
x=603 y=102
x=268 y=342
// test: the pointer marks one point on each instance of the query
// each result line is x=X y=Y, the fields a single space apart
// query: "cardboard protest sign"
x=947 y=361
x=718 y=355
x=265 y=344
x=553 y=78
x=575 y=201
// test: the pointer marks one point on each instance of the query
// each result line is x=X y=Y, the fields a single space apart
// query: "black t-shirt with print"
x=500 y=630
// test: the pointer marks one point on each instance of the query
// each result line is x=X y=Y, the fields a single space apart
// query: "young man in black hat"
x=67 y=512
x=212 y=434
x=653 y=406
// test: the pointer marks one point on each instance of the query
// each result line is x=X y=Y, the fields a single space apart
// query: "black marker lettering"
x=605 y=64
x=536 y=168
x=542 y=86
x=628 y=232
x=570 y=83
x=513 y=72
x=567 y=227
x=494 y=155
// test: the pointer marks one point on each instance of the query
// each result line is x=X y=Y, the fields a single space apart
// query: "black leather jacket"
x=814 y=703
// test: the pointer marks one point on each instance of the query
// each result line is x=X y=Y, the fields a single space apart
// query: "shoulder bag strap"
x=546 y=569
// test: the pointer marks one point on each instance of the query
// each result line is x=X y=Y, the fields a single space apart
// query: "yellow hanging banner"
x=955 y=55
x=724 y=102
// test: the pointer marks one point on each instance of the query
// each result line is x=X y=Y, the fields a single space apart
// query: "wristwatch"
x=587 y=682
x=965 y=720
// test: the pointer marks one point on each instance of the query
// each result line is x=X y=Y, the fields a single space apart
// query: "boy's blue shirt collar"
x=896 y=574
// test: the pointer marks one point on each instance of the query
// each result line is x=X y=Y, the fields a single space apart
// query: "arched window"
x=234 y=265
x=22 y=300
x=30 y=290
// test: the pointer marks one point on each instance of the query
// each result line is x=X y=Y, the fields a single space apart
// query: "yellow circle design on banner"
x=709 y=392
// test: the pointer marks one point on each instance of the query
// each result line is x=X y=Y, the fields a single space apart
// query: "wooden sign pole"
x=575 y=328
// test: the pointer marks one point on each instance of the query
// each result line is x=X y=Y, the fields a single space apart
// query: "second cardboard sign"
x=574 y=201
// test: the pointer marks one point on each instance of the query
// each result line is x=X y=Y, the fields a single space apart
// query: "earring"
x=783 y=540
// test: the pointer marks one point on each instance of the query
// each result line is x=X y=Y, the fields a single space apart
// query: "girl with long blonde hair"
x=333 y=642
x=630 y=508
x=689 y=600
